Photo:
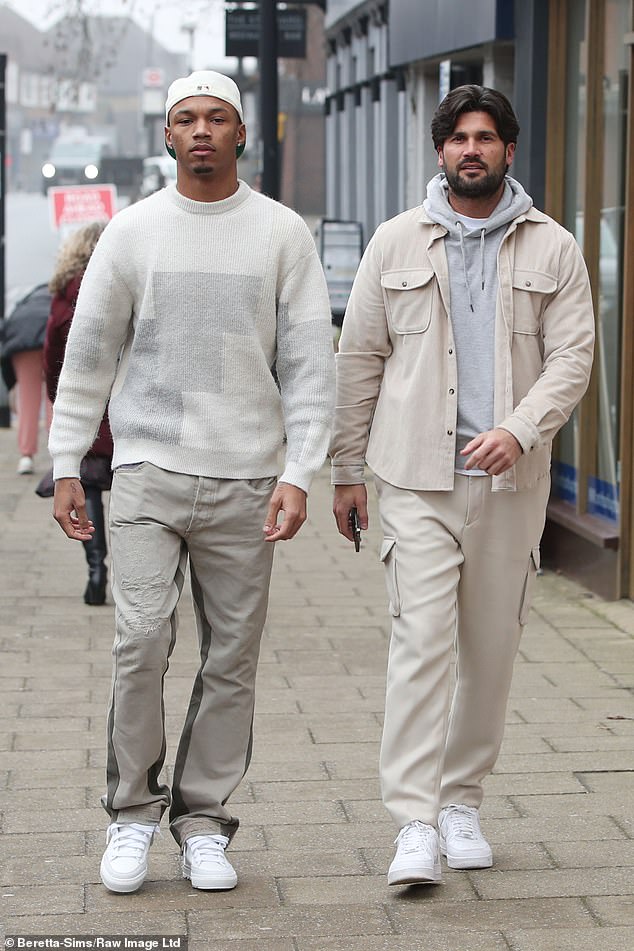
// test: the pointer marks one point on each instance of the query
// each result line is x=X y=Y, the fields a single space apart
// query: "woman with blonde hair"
x=96 y=474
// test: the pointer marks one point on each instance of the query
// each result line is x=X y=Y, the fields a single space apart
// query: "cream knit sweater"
x=184 y=309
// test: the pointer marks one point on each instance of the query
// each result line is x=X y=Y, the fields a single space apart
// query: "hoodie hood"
x=514 y=202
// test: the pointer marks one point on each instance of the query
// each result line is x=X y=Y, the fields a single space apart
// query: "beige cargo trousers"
x=459 y=568
x=158 y=521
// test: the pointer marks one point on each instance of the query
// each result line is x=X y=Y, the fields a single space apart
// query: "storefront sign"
x=242 y=33
x=78 y=205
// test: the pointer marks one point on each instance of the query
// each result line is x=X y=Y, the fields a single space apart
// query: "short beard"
x=478 y=188
x=202 y=170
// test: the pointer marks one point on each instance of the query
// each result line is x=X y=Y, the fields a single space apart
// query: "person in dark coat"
x=21 y=366
x=96 y=476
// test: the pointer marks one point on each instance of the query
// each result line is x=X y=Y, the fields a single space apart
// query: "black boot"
x=96 y=549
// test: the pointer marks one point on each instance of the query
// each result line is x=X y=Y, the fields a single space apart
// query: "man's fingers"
x=494 y=455
x=471 y=446
x=341 y=511
x=493 y=452
x=72 y=527
x=343 y=524
x=271 y=516
x=69 y=510
x=291 y=501
x=286 y=529
x=346 y=498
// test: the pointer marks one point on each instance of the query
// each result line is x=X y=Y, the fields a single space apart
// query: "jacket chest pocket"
x=531 y=294
x=408 y=295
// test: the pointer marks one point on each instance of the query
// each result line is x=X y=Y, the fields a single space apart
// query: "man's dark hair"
x=474 y=99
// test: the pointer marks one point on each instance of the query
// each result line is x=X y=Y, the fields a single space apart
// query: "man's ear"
x=242 y=140
x=440 y=158
x=168 y=142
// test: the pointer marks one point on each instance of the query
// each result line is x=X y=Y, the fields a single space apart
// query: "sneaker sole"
x=121 y=886
x=415 y=876
x=216 y=884
x=463 y=863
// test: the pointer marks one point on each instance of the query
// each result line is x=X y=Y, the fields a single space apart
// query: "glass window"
x=564 y=471
x=603 y=490
x=603 y=482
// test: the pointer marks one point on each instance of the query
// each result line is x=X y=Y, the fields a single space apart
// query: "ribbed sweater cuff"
x=66 y=467
x=297 y=475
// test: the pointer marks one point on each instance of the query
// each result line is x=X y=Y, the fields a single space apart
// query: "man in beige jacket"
x=467 y=343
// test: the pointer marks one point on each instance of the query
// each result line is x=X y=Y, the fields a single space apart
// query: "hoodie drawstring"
x=464 y=264
x=460 y=227
x=482 y=233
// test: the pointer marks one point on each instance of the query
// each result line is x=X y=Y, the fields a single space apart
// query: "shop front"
x=590 y=189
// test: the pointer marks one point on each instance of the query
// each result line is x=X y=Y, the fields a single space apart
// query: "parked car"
x=75 y=159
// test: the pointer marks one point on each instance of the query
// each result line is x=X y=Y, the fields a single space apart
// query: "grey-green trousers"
x=158 y=520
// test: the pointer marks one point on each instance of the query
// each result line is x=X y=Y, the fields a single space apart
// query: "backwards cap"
x=204 y=82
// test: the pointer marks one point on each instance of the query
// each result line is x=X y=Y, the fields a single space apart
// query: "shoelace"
x=130 y=840
x=463 y=822
x=208 y=849
x=413 y=836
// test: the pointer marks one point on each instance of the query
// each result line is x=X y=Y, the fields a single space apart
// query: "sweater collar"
x=221 y=207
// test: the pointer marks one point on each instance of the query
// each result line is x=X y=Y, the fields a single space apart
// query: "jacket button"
x=529 y=283
x=450 y=350
x=450 y=432
x=404 y=284
x=452 y=391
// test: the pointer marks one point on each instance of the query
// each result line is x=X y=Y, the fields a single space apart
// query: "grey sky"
x=166 y=17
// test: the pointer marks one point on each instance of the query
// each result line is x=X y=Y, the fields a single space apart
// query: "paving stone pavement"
x=314 y=841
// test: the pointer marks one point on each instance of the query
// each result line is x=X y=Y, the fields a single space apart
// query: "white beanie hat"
x=204 y=82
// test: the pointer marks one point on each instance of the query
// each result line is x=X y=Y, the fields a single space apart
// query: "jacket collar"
x=531 y=215
x=438 y=231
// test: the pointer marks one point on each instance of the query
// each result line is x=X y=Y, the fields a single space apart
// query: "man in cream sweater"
x=189 y=299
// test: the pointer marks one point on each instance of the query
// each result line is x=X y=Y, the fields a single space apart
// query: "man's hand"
x=69 y=510
x=494 y=452
x=291 y=500
x=346 y=497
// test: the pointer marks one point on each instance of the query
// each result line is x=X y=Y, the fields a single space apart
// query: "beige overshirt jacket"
x=397 y=376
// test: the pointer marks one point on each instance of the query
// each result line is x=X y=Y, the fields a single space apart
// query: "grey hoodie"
x=473 y=282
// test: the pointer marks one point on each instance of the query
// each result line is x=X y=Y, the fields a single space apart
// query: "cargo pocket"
x=529 y=583
x=388 y=557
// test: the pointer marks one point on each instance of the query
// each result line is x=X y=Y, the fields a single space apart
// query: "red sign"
x=80 y=204
x=153 y=77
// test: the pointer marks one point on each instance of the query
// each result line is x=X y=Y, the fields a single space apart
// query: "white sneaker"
x=25 y=466
x=461 y=838
x=205 y=863
x=417 y=859
x=124 y=863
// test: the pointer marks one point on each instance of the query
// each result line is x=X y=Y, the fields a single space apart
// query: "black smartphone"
x=353 y=522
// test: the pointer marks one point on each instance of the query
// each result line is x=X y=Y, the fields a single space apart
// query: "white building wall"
x=332 y=143
x=360 y=158
x=498 y=69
